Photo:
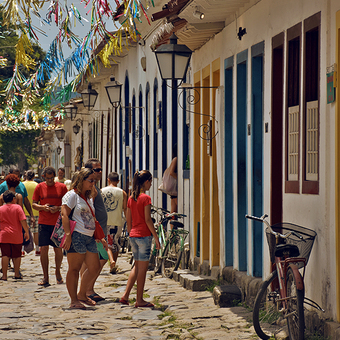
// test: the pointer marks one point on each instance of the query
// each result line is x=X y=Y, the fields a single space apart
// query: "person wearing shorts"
x=115 y=201
x=12 y=220
x=141 y=230
x=47 y=200
x=81 y=246
x=101 y=216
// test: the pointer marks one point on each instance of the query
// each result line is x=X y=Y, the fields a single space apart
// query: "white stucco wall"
x=263 y=21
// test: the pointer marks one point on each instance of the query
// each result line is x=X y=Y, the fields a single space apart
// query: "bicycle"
x=124 y=239
x=282 y=292
x=167 y=259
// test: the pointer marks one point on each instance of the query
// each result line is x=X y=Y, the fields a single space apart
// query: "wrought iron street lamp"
x=76 y=128
x=58 y=150
x=71 y=111
x=60 y=134
x=89 y=96
x=114 y=90
x=173 y=59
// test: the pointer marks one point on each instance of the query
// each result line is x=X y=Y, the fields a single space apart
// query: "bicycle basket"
x=305 y=246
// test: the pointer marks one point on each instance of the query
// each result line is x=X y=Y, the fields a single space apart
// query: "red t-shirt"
x=51 y=195
x=11 y=216
x=139 y=227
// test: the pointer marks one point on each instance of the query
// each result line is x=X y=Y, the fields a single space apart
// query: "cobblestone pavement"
x=28 y=311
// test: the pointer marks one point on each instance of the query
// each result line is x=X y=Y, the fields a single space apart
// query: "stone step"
x=192 y=281
x=227 y=295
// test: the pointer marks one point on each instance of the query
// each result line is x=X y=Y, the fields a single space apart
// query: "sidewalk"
x=28 y=311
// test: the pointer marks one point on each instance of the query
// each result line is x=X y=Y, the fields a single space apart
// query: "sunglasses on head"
x=97 y=170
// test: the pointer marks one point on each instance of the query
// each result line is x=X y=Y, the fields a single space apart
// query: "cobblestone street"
x=28 y=311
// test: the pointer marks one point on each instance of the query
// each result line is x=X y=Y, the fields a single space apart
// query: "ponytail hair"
x=139 y=179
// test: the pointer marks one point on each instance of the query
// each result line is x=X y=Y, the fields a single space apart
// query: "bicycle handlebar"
x=277 y=234
x=165 y=214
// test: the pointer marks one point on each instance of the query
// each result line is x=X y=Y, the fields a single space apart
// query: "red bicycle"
x=281 y=298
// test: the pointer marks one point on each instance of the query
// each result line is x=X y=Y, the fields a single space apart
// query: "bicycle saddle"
x=287 y=250
x=177 y=224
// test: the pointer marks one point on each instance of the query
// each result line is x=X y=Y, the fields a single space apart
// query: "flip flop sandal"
x=148 y=305
x=2 y=279
x=88 y=302
x=44 y=283
x=60 y=281
x=95 y=297
x=124 y=302
x=113 y=270
x=77 y=306
x=17 y=278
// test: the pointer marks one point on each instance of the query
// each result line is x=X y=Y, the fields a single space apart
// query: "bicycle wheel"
x=158 y=262
x=172 y=257
x=295 y=312
x=267 y=319
x=155 y=257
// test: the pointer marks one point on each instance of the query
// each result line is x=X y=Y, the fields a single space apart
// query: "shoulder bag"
x=58 y=235
x=98 y=233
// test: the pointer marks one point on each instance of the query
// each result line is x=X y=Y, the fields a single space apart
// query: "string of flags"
x=56 y=77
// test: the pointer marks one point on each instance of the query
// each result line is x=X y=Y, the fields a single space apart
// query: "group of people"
x=89 y=207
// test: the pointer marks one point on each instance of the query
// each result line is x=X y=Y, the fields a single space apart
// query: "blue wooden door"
x=241 y=128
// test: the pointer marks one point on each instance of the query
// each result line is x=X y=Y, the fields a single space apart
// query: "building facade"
x=262 y=137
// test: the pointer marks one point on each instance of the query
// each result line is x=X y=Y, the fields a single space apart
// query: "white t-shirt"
x=113 y=201
x=81 y=214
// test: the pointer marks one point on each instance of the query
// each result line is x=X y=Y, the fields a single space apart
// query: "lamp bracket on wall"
x=241 y=32
x=206 y=129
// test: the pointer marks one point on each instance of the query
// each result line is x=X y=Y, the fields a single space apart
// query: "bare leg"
x=131 y=281
x=4 y=263
x=141 y=276
x=44 y=261
x=75 y=261
x=58 y=256
x=113 y=261
x=83 y=268
x=36 y=239
x=16 y=264
x=92 y=280
x=92 y=272
x=115 y=256
x=173 y=205
x=111 y=258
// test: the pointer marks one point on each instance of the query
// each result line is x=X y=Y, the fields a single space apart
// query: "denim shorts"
x=141 y=248
x=82 y=243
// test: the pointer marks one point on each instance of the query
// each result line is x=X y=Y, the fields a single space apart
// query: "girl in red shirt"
x=141 y=230
x=12 y=220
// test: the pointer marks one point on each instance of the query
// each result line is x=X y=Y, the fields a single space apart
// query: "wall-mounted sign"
x=330 y=87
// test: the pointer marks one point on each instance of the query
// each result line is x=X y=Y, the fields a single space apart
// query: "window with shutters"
x=293 y=110
x=311 y=118
x=293 y=143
